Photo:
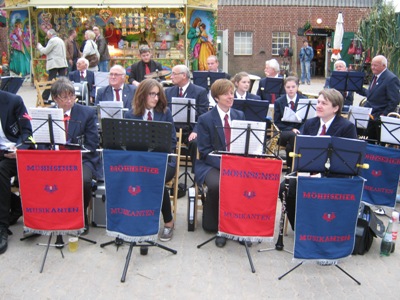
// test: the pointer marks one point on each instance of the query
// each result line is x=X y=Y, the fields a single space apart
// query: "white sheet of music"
x=290 y=116
x=359 y=116
x=390 y=130
x=40 y=126
x=238 y=136
x=302 y=108
x=180 y=108
x=111 y=109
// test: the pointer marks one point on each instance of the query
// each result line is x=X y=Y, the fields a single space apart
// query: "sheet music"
x=111 y=109
x=302 y=108
x=290 y=116
x=180 y=109
x=359 y=116
x=390 y=130
x=40 y=126
x=238 y=136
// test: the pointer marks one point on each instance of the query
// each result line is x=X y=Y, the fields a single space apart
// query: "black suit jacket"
x=16 y=128
x=340 y=127
x=106 y=94
x=75 y=76
x=385 y=95
x=138 y=70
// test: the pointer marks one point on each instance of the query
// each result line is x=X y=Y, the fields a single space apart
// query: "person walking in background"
x=90 y=50
x=72 y=48
x=103 y=50
x=306 y=55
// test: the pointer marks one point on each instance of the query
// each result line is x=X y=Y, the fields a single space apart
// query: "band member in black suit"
x=327 y=122
x=288 y=130
x=83 y=74
x=150 y=103
x=242 y=83
x=143 y=67
x=14 y=131
x=383 y=94
x=117 y=90
x=183 y=88
x=82 y=126
x=211 y=137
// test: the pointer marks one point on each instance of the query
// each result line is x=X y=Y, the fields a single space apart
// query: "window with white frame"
x=280 y=40
x=243 y=43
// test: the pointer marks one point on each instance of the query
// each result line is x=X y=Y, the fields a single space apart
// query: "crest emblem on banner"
x=134 y=190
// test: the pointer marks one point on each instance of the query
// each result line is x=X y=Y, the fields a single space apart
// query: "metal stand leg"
x=290 y=271
x=359 y=283
x=209 y=240
x=128 y=258
x=45 y=254
x=253 y=270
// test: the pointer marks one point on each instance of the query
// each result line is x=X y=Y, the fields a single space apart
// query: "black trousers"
x=166 y=203
x=8 y=169
x=286 y=140
x=211 y=205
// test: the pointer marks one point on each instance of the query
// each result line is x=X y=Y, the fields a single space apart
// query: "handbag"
x=93 y=59
x=352 y=48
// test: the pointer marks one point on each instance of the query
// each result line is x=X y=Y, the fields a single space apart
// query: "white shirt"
x=222 y=116
x=146 y=112
x=327 y=125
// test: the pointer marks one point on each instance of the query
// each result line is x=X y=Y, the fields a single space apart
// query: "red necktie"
x=180 y=92
x=66 y=117
x=323 y=131
x=117 y=97
x=149 y=117
x=292 y=105
x=227 y=131
x=373 y=82
x=82 y=75
x=146 y=69
x=273 y=97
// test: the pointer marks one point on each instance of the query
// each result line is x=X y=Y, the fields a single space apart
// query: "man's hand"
x=192 y=136
x=296 y=131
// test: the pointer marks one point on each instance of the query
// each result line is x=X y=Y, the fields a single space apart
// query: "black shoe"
x=3 y=239
x=220 y=241
x=249 y=244
x=59 y=242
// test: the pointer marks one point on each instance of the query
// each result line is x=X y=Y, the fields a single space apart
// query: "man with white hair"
x=340 y=66
x=117 y=90
x=83 y=74
x=56 y=58
x=271 y=70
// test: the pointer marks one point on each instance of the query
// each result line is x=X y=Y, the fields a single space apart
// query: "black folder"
x=254 y=110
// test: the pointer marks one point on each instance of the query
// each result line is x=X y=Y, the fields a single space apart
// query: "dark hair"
x=144 y=49
x=62 y=86
x=71 y=31
x=143 y=90
x=334 y=97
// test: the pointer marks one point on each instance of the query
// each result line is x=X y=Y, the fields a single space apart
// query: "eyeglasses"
x=115 y=74
x=65 y=98
x=153 y=95
x=173 y=73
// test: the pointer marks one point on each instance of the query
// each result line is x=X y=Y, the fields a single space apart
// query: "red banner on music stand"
x=51 y=188
x=248 y=195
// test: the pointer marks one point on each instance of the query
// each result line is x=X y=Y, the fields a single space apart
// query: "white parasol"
x=337 y=41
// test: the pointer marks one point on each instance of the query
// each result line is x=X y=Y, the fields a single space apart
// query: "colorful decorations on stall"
x=105 y=15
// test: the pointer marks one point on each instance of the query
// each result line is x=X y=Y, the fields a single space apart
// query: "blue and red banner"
x=326 y=217
x=51 y=188
x=248 y=195
x=134 y=183
x=382 y=175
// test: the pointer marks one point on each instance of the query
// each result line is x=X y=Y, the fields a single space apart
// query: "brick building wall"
x=263 y=20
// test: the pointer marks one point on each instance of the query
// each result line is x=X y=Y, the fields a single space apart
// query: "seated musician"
x=151 y=104
x=117 y=90
x=83 y=74
x=289 y=130
x=327 y=122
x=82 y=126
x=271 y=70
x=211 y=137
x=242 y=83
x=340 y=66
x=183 y=88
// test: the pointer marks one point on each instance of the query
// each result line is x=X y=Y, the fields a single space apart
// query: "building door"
x=222 y=49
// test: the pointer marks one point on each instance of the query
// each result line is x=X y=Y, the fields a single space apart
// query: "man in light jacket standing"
x=56 y=58
x=103 y=50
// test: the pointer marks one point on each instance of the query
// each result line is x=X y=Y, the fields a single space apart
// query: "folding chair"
x=41 y=86
x=82 y=92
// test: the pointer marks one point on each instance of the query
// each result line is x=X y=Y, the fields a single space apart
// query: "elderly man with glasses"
x=117 y=90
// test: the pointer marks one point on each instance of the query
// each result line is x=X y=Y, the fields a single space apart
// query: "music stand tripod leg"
x=292 y=269
x=162 y=247
x=45 y=254
x=253 y=270
x=128 y=259
x=359 y=283
x=209 y=240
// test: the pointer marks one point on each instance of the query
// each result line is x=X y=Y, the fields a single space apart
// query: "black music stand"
x=272 y=85
x=347 y=81
x=331 y=156
x=138 y=135
x=254 y=110
x=247 y=133
x=11 y=84
x=206 y=78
